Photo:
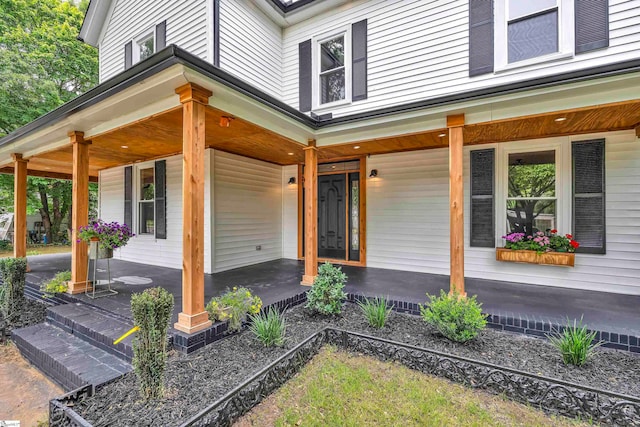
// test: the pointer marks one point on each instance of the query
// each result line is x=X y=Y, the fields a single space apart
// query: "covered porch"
x=175 y=105
x=278 y=280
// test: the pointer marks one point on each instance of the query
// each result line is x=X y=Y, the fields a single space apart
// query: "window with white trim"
x=332 y=69
x=146 y=200
x=144 y=46
x=533 y=31
x=531 y=192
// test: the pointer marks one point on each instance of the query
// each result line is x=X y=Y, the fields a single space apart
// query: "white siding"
x=419 y=49
x=186 y=27
x=407 y=222
x=290 y=212
x=146 y=249
x=251 y=45
x=248 y=211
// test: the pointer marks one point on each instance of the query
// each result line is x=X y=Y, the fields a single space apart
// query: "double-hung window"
x=332 y=75
x=144 y=47
x=146 y=201
x=531 y=192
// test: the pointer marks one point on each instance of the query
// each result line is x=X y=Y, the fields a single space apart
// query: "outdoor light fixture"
x=561 y=119
x=374 y=173
x=124 y=146
x=225 y=121
x=357 y=147
x=292 y=180
x=442 y=135
x=291 y=154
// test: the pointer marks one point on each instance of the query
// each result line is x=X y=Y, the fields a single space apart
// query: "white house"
x=410 y=121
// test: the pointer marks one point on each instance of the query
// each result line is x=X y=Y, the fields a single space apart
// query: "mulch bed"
x=32 y=312
x=194 y=381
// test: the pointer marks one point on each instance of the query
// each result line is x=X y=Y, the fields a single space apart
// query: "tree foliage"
x=42 y=64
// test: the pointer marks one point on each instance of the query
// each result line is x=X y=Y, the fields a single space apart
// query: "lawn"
x=39 y=250
x=339 y=389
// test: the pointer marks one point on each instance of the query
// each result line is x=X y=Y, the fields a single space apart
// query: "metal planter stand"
x=97 y=253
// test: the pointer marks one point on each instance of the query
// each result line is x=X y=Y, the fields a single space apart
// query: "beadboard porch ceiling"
x=160 y=135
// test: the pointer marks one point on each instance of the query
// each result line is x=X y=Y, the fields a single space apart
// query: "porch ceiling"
x=600 y=118
x=161 y=135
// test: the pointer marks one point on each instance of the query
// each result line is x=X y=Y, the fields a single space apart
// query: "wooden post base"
x=78 y=287
x=191 y=324
x=307 y=280
x=460 y=295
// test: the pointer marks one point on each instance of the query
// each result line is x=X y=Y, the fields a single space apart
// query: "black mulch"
x=32 y=312
x=199 y=379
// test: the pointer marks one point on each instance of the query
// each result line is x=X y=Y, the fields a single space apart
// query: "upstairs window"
x=144 y=47
x=532 y=29
x=332 y=77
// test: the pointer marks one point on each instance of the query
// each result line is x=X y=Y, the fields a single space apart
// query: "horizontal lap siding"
x=248 y=211
x=290 y=212
x=186 y=27
x=419 y=50
x=146 y=249
x=251 y=46
x=408 y=223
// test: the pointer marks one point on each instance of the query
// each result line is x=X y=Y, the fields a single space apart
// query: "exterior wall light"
x=374 y=173
x=225 y=121
x=292 y=180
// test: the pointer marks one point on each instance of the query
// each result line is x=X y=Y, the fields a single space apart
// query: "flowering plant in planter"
x=111 y=235
x=541 y=242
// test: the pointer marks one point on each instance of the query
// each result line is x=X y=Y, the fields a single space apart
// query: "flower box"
x=564 y=259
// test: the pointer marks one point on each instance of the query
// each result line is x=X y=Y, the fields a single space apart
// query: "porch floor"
x=276 y=280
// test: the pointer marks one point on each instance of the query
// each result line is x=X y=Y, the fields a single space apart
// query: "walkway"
x=277 y=280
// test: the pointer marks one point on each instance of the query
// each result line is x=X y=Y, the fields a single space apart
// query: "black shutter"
x=592 y=24
x=480 y=37
x=482 y=198
x=359 y=60
x=216 y=33
x=128 y=196
x=304 y=81
x=161 y=199
x=589 y=195
x=128 y=55
x=161 y=35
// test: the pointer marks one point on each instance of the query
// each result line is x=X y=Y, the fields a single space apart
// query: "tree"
x=42 y=66
x=528 y=183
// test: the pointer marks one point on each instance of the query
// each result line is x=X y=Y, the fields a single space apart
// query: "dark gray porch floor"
x=277 y=280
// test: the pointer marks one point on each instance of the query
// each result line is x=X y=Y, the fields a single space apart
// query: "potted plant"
x=540 y=248
x=106 y=237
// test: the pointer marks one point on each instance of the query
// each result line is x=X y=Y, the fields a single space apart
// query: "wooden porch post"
x=455 y=124
x=79 y=211
x=310 y=214
x=194 y=99
x=19 y=206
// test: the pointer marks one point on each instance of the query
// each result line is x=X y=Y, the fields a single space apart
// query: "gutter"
x=172 y=55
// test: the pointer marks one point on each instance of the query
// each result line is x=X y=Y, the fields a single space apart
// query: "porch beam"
x=455 y=125
x=79 y=211
x=194 y=99
x=638 y=131
x=19 y=206
x=310 y=213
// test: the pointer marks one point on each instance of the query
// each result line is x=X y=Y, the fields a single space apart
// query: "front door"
x=332 y=220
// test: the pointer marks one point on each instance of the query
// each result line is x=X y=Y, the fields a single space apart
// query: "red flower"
x=554 y=231
x=568 y=236
x=574 y=244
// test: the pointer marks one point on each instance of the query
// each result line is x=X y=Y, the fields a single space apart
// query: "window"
x=144 y=47
x=332 y=77
x=146 y=201
x=531 y=192
x=533 y=31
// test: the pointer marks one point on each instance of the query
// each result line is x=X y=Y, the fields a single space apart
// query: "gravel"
x=194 y=381
x=33 y=312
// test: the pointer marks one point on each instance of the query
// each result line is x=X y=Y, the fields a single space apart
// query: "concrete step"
x=66 y=359
x=95 y=326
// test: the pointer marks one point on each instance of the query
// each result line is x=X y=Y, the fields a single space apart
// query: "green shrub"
x=6 y=245
x=151 y=311
x=457 y=318
x=12 y=275
x=269 y=327
x=234 y=306
x=575 y=343
x=57 y=285
x=376 y=311
x=326 y=295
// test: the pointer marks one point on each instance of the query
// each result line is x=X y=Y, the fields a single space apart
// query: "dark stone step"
x=95 y=326
x=66 y=359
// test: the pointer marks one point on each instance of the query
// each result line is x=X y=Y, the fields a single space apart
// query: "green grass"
x=39 y=250
x=339 y=389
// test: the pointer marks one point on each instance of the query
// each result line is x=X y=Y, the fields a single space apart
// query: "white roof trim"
x=97 y=16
